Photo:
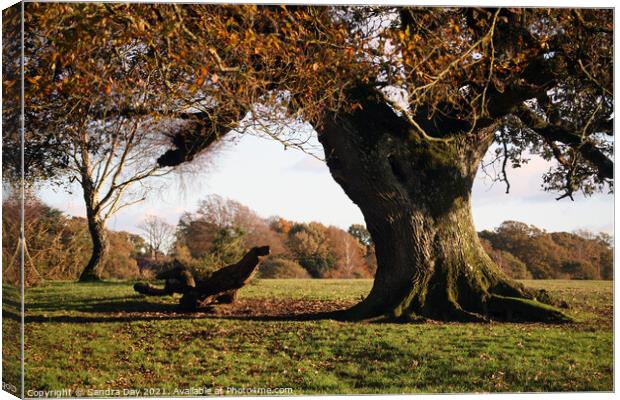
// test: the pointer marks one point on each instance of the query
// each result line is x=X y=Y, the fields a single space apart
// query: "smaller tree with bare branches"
x=158 y=233
x=121 y=160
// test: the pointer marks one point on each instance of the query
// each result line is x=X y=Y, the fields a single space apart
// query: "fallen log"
x=219 y=287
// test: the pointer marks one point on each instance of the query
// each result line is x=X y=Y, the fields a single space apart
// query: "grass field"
x=104 y=336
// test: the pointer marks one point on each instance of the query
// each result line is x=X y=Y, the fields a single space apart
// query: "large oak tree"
x=406 y=102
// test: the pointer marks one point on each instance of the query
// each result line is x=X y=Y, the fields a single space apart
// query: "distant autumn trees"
x=221 y=230
x=525 y=251
x=219 y=233
x=58 y=246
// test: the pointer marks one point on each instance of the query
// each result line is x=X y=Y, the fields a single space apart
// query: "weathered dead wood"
x=179 y=279
x=219 y=287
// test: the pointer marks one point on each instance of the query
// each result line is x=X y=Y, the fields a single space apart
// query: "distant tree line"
x=525 y=251
x=221 y=230
x=58 y=246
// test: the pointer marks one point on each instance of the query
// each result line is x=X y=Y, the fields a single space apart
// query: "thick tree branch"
x=560 y=134
x=188 y=141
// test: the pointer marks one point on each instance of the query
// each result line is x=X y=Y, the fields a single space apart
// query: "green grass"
x=11 y=339
x=104 y=336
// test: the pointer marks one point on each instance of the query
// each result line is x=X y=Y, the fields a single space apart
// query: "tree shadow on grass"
x=146 y=318
x=160 y=316
x=133 y=308
x=140 y=308
x=105 y=305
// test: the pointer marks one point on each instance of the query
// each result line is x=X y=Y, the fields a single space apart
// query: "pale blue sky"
x=272 y=181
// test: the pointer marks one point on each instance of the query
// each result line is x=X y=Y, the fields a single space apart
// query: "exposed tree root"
x=527 y=310
x=506 y=301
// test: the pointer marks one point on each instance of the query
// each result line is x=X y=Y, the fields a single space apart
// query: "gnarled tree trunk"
x=415 y=195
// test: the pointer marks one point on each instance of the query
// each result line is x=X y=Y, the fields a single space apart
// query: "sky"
x=264 y=176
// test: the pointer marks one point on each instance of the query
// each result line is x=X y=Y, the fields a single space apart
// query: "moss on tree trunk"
x=415 y=195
